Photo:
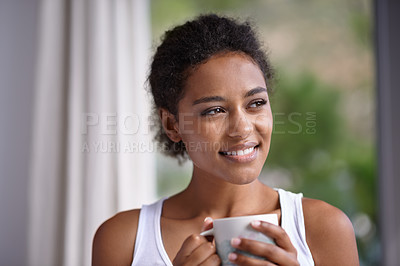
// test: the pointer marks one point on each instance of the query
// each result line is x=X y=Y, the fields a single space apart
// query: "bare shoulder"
x=329 y=234
x=114 y=241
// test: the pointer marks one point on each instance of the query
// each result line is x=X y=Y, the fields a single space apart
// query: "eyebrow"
x=222 y=99
x=209 y=99
x=255 y=91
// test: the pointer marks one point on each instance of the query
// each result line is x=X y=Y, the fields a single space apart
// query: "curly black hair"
x=185 y=47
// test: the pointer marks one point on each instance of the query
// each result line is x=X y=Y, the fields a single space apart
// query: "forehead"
x=223 y=75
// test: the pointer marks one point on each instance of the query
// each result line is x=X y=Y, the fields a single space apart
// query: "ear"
x=170 y=125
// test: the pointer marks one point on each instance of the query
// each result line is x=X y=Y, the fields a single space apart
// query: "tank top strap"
x=292 y=221
x=148 y=245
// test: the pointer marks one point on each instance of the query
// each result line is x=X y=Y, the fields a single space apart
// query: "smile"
x=239 y=152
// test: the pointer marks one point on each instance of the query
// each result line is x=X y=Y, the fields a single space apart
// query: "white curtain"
x=92 y=149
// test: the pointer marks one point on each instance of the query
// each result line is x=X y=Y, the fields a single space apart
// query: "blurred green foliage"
x=325 y=160
x=361 y=25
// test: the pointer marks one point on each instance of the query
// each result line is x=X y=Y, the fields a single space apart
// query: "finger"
x=207 y=224
x=271 y=252
x=239 y=259
x=191 y=243
x=212 y=261
x=275 y=232
x=201 y=253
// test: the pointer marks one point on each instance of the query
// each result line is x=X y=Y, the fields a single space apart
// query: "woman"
x=210 y=81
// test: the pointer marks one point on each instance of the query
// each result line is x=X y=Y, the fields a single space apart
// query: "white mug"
x=227 y=228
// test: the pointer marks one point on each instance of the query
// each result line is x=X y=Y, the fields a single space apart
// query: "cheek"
x=200 y=136
x=194 y=128
x=187 y=124
x=200 y=149
x=264 y=124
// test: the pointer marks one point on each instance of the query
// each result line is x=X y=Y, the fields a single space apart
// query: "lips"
x=246 y=153
x=241 y=146
x=239 y=152
x=241 y=149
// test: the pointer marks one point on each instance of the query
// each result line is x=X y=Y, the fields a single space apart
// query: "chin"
x=241 y=179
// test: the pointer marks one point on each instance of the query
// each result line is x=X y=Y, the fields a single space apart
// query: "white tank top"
x=150 y=251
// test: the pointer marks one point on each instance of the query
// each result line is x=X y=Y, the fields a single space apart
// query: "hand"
x=197 y=250
x=283 y=253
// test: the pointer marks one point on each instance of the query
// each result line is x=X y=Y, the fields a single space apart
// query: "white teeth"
x=241 y=152
x=247 y=151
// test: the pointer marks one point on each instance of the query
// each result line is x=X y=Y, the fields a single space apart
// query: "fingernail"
x=207 y=219
x=232 y=256
x=235 y=241
x=256 y=223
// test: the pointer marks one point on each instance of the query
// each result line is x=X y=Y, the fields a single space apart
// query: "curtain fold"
x=92 y=152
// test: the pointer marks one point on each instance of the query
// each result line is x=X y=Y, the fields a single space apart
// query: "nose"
x=240 y=126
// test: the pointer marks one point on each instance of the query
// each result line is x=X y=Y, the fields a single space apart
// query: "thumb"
x=207 y=224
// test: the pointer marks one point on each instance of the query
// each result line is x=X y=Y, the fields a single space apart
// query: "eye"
x=212 y=111
x=257 y=103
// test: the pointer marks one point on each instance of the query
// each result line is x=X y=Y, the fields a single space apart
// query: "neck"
x=208 y=196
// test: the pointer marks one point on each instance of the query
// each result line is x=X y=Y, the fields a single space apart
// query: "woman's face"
x=225 y=119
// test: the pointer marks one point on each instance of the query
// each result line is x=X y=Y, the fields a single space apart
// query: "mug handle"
x=208 y=232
